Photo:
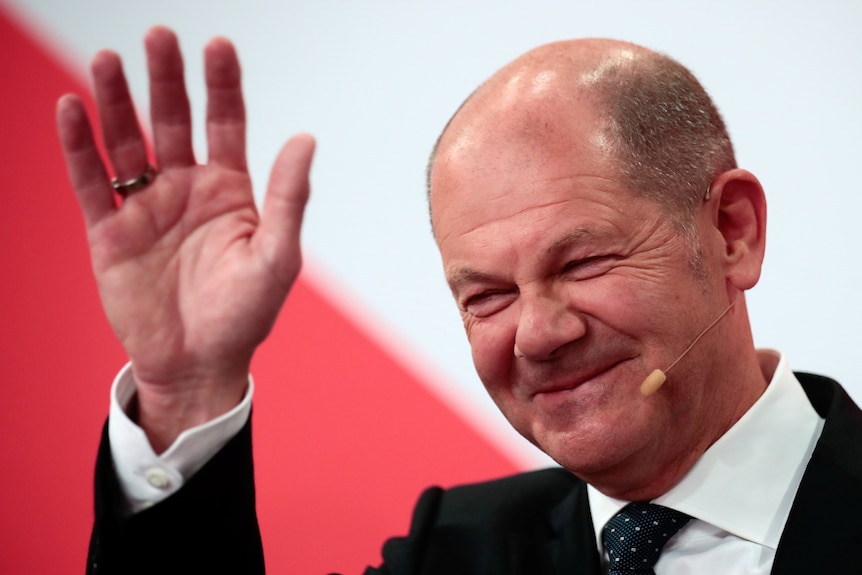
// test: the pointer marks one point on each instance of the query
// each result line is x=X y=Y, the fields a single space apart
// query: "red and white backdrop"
x=366 y=393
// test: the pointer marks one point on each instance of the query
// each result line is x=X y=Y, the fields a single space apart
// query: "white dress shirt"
x=739 y=493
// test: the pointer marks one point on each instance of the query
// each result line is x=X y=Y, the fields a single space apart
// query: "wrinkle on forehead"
x=495 y=220
x=466 y=210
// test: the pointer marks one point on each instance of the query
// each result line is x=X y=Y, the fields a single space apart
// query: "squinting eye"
x=590 y=267
x=487 y=303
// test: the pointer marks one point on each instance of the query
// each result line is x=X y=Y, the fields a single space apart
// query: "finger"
x=120 y=129
x=169 y=103
x=225 y=107
x=283 y=208
x=86 y=169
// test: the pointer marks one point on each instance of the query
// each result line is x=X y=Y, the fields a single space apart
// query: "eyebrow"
x=580 y=235
x=465 y=275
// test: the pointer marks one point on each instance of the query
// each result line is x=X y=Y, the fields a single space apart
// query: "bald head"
x=653 y=119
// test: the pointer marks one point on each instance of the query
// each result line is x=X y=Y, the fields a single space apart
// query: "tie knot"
x=635 y=536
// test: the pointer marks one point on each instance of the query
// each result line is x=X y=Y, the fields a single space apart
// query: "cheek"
x=616 y=302
x=663 y=317
x=638 y=311
x=492 y=344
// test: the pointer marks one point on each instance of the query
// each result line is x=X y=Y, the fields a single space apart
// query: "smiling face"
x=573 y=289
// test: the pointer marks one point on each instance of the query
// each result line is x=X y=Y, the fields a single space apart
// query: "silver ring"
x=134 y=184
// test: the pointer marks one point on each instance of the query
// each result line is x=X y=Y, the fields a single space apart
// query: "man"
x=593 y=227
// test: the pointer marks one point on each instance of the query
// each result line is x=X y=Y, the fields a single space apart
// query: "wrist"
x=135 y=459
x=164 y=408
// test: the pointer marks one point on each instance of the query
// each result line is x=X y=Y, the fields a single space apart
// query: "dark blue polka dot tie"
x=635 y=536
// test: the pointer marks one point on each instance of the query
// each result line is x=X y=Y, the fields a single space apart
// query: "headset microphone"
x=655 y=380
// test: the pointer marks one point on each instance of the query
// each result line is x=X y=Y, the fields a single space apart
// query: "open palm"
x=190 y=275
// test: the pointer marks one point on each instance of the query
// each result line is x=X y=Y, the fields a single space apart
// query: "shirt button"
x=158 y=478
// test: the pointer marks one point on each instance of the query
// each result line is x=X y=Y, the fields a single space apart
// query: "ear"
x=738 y=211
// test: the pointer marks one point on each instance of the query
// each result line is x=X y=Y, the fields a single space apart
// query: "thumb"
x=284 y=206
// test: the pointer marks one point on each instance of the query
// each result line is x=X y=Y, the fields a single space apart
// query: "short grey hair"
x=666 y=133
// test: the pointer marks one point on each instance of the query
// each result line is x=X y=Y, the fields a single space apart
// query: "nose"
x=546 y=324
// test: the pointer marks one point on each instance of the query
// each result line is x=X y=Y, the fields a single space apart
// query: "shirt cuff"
x=147 y=478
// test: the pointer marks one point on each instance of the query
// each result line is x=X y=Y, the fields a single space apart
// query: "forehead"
x=509 y=158
x=523 y=120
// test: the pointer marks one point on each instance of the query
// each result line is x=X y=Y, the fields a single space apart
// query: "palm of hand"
x=183 y=281
x=190 y=274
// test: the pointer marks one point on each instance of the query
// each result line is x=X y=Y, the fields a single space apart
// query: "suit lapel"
x=824 y=530
x=573 y=551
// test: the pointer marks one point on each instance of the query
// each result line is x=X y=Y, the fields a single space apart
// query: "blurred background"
x=366 y=391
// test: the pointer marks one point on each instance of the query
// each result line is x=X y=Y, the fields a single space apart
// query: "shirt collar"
x=746 y=481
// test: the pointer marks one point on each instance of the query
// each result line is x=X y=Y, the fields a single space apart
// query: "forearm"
x=209 y=525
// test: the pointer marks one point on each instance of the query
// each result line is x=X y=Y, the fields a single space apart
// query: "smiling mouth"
x=570 y=384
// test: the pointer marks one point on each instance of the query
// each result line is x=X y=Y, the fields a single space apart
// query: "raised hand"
x=190 y=275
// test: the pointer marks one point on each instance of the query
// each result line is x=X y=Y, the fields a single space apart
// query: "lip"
x=561 y=388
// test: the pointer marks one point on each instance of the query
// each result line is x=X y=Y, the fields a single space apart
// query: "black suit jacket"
x=533 y=523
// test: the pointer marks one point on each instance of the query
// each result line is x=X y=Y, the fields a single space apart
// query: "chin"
x=592 y=449
x=582 y=463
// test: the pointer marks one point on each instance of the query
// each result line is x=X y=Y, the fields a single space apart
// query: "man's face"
x=572 y=290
